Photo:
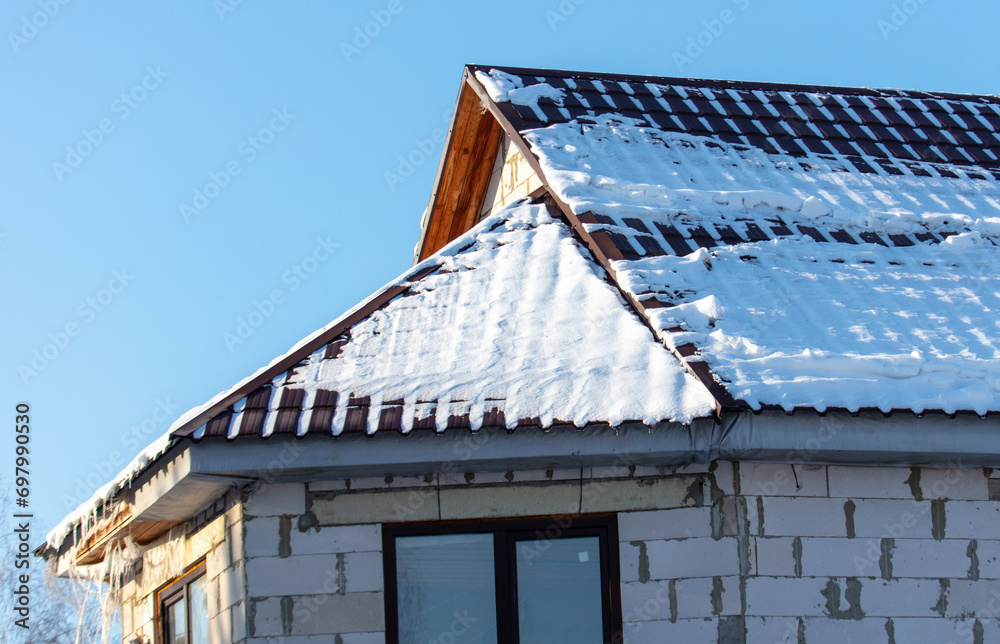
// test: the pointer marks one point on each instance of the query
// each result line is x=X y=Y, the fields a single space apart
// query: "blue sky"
x=166 y=171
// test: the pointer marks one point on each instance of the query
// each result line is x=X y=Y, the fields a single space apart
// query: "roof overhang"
x=195 y=474
x=463 y=175
x=868 y=438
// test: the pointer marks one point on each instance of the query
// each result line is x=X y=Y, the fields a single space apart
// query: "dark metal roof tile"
x=800 y=128
x=785 y=110
x=816 y=145
x=872 y=238
x=916 y=168
x=979 y=154
x=323 y=407
x=755 y=233
x=636 y=224
x=255 y=412
x=289 y=412
x=390 y=417
x=674 y=238
x=356 y=418
x=843 y=237
x=702 y=237
x=218 y=426
x=791 y=146
x=870 y=148
x=650 y=246
x=843 y=146
x=812 y=232
x=621 y=242
x=862 y=165
x=728 y=235
x=494 y=418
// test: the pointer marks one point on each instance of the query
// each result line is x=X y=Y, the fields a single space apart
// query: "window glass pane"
x=176 y=623
x=446 y=589
x=559 y=591
x=198 y=601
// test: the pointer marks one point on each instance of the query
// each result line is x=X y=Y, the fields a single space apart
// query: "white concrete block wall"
x=732 y=553
x=309 y=583
x=821 y=555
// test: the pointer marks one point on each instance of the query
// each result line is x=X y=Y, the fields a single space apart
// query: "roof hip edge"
x=702 y=373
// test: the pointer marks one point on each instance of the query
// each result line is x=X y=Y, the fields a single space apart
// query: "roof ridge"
x=741 y=85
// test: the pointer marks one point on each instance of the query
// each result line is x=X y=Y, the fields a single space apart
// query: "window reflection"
x=559 y=591
x=446 y=589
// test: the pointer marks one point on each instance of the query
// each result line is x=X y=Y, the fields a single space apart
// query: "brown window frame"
x=505 y=532
x=173 y=592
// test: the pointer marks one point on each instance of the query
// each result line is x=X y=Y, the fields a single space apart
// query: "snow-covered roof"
x=803 y=277
x=754 y=245
x=511 y=325
x=515 y=326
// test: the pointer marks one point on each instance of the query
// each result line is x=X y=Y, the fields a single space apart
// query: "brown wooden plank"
x=465 y=175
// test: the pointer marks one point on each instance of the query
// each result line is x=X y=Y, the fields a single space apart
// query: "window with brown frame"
x=551 y=581
x=182 y=609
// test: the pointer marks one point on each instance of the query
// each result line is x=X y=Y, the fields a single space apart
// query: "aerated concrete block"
x=870 y=482
x=275 y=499
x=972 y=519
x=892 y=518
x=926 y=558
x=804 y=517
x=350 y=613
x=684 y=630
x=781 y=479
x=846 y=631
x=701 y=557
x=677 y=523
x=775 y=556
x=900 y=598
x=336 y=539
x=786 y=597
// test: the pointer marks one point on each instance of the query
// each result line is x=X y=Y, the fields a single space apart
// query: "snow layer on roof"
x=793 y=322
x=518 y=317
x=503 y=87
x=797 y=323
x=613 y=166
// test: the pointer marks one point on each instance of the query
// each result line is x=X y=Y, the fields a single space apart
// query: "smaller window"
x=183 y=609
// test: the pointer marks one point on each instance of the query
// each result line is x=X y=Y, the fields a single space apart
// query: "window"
x=544 y=581
x=183 y=609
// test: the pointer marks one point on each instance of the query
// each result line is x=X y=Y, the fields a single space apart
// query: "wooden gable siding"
x=464 y=174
